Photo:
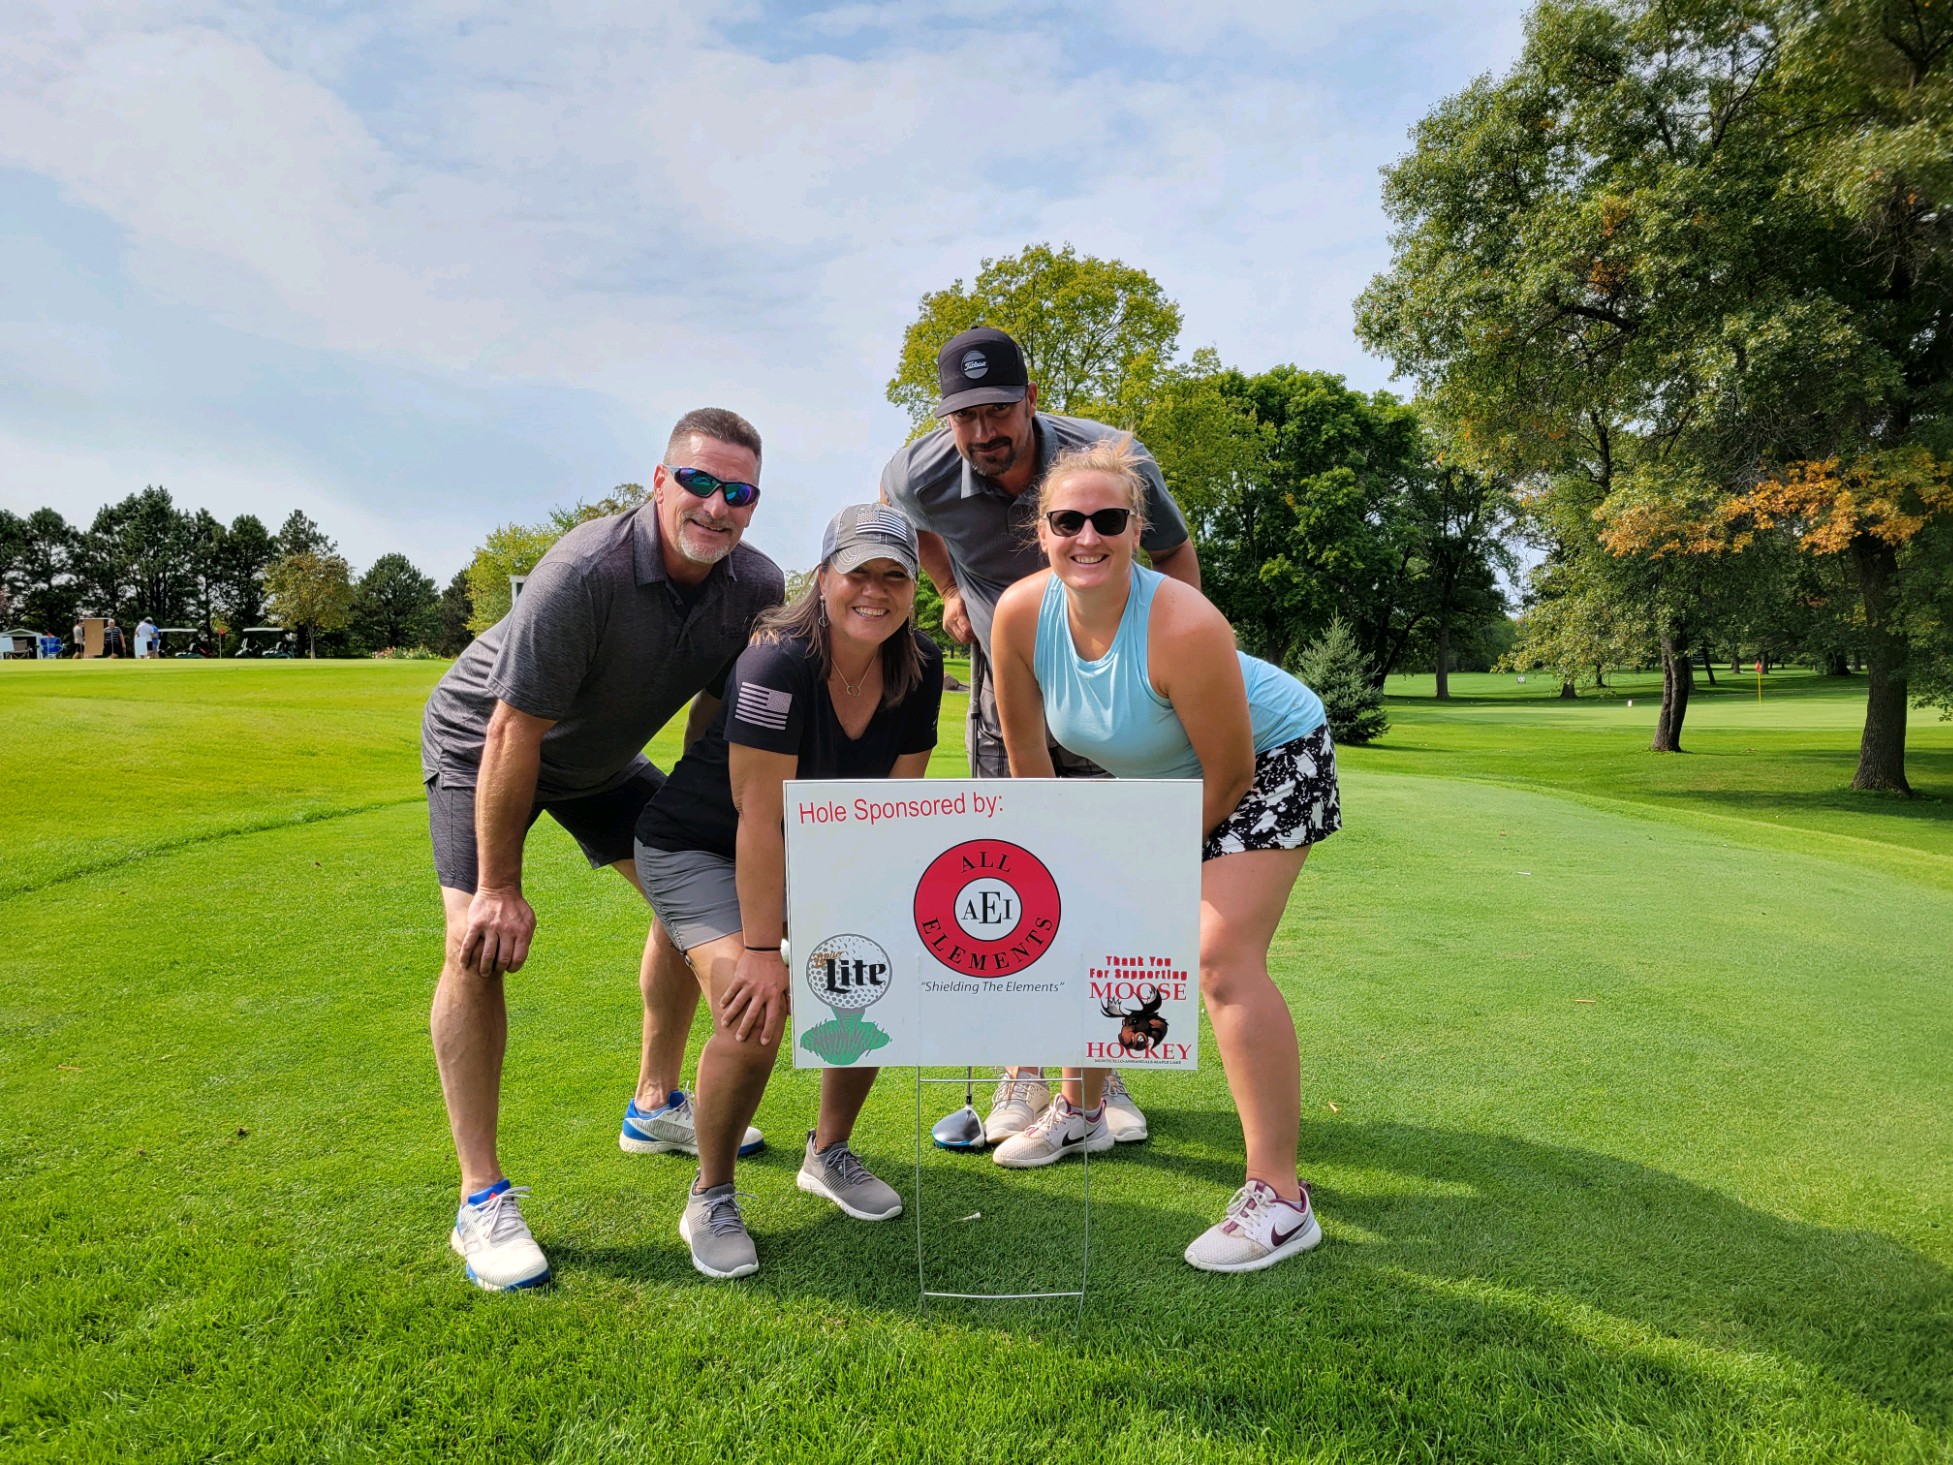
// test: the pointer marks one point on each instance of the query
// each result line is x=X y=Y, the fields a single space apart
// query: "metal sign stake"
x=921 y=1266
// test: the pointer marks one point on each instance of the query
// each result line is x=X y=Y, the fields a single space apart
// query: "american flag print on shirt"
x=763 y=707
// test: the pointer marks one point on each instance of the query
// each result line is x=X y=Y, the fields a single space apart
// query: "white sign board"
x=965 y=921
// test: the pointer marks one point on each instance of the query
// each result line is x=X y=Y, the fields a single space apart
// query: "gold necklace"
x=854 y=688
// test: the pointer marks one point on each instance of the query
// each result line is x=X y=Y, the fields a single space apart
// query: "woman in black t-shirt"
x=840 y=684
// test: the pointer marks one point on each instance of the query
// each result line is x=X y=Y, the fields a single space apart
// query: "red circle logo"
x=986 y=908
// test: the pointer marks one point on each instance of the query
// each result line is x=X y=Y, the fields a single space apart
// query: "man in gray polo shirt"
x=970 y=489
x=620 y=623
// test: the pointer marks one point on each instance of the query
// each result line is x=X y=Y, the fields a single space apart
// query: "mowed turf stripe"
x=137 y=854
x=1702 y=1214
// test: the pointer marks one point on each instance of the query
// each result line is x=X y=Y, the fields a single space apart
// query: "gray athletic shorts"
x=601 y=824
x=693 y=892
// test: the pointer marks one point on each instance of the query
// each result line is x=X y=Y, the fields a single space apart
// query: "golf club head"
x=962 y=1130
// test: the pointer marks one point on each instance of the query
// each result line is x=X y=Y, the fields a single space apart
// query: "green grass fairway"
x=1627 y=1102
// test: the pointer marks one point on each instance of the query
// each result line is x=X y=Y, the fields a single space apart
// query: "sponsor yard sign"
x=952 y=922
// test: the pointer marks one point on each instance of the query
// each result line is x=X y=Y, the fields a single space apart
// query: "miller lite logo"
x=987 y=908
x=849 y=973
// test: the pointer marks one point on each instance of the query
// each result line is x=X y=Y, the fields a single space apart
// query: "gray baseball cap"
x=864 y=532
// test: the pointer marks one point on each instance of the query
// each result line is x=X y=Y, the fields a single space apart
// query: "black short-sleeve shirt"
x=777 y=701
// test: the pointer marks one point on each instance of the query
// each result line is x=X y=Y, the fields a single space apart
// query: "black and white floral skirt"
x=1293 y=801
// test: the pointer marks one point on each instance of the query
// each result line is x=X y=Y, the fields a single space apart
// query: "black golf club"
x=962 y=1130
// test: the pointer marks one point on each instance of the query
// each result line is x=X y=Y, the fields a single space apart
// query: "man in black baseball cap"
x=978 y=368
x=970 y=490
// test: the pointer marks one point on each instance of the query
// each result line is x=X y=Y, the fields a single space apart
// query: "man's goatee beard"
x=707 y=555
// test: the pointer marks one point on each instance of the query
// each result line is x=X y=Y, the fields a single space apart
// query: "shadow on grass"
x=983 y=1230
x=1626 y=1292
x=1928 y=806
x=1464 y=1213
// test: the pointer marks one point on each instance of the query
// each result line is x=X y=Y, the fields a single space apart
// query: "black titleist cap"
x=979 y=366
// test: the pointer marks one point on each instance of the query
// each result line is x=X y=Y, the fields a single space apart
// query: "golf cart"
x=193 y=646
x=268 y=642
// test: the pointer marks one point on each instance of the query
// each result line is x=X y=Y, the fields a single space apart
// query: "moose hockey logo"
x=849 y=974
x=987 y=908
x=1141 y=1028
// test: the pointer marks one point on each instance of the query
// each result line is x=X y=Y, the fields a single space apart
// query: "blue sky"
x=422 y=268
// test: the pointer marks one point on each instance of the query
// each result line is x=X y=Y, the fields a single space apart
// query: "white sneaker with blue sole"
x=492 y=1238
x=669 y=1131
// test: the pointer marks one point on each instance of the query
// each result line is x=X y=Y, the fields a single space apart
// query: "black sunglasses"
x=698 y=481
x=1065 y=523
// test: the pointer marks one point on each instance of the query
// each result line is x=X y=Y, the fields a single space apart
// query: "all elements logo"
x=849 y=974
x=986 y=908
x=975 y=365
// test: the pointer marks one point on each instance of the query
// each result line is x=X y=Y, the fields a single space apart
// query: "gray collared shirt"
x=602 y=643
x=991 y=534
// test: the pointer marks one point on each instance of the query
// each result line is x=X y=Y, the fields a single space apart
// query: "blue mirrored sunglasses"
x=697 y=481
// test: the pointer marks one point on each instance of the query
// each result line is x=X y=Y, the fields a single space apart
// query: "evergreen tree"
x=456 y=609
x=1337 y=671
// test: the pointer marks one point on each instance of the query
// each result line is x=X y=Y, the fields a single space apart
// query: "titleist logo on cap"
x=980 y=367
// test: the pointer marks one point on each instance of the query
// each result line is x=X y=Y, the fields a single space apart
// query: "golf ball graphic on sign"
x=848 y=973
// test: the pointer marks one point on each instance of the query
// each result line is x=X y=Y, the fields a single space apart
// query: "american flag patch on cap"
x=763 y=707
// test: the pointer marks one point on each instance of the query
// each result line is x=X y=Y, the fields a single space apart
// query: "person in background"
x=145 y=639
x=113 y=643
x=1142 y=675
x=80 y=643
x=970 y=489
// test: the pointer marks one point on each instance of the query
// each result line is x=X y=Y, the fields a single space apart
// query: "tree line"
x=180 y=567
x=1311 y=503
x=1684 y=276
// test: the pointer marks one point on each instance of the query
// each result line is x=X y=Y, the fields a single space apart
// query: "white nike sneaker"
x=493 y=1239
x=1122 y=1113
x=1059 y=1131
x=1259 y=1229
x=1015 y=1104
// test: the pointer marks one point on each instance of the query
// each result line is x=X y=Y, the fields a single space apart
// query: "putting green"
x=1630 y=1132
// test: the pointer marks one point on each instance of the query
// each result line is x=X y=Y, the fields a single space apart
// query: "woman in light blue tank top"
x=1141 y=674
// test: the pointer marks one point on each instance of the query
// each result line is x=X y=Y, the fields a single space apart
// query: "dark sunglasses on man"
x=698 y=482
x=1065 y=523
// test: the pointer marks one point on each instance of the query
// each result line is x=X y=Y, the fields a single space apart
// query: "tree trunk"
x=1677 y=681
x=1882 y=749
x=1708 y=666
x=1444 y=660
x=1836 y=664
x=1568 y=691
x=1600 y=675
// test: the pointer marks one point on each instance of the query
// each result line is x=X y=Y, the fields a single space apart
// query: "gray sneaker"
x=836 y=1174
x=713 y=1228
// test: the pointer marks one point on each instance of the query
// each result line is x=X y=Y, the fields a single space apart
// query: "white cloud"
x=617 y=199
